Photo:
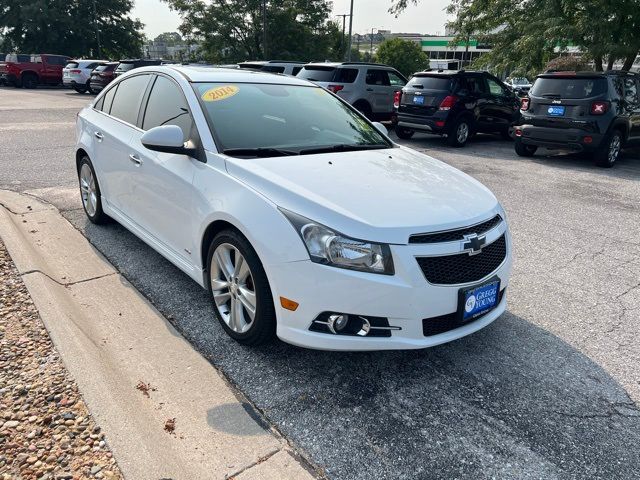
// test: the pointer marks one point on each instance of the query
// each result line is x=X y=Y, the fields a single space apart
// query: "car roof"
x=220 y=74
x=585 y=74
x=343 y=64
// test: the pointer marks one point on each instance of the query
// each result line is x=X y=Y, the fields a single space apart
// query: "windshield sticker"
x=220 y=93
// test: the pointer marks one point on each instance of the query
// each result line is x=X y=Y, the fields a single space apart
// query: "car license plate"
x=479 y=300
x=555 y=111
x=418 y=100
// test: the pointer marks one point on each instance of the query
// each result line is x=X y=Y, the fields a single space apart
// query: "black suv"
x=125 y=65
x=592 y=112
x=455 y=103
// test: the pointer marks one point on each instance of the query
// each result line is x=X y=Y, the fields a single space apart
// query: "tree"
x=526 y=34
x=404 y=55
x=169 y=38
x=568 y=63
x=69 y=27
x=232 y=31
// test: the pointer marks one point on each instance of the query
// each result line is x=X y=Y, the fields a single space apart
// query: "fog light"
x=587 y=139
x=337 y=323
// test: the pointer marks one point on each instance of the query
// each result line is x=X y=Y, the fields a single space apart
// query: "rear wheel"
x=525 y=150
x=80 y=89
x=90 y=192
x=364 y=108
x=29 y=80
x=404 y=133
x=89 y=89
x=609 y=151
x=240 y=291
x=459 y=132
x=505 y=134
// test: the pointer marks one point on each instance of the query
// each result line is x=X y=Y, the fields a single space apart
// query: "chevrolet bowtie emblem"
x=474 y=243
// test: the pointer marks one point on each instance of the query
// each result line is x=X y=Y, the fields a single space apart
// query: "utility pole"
x=264 y=29
x=371 y=46
x=95 y=22
x=344 y=17
x=350 y=31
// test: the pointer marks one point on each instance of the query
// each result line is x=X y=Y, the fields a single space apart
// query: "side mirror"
x=381 y=128
x=166 y=139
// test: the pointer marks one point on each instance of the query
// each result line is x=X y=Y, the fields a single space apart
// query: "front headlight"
x=331 y=248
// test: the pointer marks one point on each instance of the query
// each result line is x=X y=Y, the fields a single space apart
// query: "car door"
x=113 y=132
x=377 y=87
x=164 y=191
x=479 y=96
x=501 y=105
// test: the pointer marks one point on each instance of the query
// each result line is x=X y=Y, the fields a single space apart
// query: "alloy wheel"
x=88 y=190
x=462 y=133
x=233 y=288
x=614 y=148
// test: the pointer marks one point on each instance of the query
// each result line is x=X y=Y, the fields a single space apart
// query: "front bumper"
x=405 y=299
x=8 y=78
x=558 y=138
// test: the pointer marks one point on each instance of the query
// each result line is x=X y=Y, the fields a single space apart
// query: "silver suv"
x=369 y=87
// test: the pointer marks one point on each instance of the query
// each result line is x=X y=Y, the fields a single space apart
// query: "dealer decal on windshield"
x=220 y=93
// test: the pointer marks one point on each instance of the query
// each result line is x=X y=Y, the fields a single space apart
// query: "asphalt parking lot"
x=550 y=390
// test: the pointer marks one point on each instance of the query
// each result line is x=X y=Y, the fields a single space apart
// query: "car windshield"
x=520 y=81
x=72 y=65
x=430 y=82
x=292 y=119
x=568 y=87
x=317 y=73
x=124 y=67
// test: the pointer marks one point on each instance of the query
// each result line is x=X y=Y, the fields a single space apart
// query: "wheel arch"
x=79 y=154
x=29 y=72
x=621 y=125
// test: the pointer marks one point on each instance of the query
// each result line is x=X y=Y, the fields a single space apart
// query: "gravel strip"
x=46 y=430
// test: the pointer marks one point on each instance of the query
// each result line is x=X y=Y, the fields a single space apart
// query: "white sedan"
x=299 y=216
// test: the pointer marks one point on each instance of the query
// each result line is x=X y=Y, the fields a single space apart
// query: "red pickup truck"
x=29 y=71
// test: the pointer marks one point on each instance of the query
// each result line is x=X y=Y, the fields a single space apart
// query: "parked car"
x=360 y=245
x=370 y=87
x=77 y=73
x=29 y=71
x=455 y=103
x=126 y=65
x=285 y=67
x=520 y=85
x=102 y=76
x=595 y=113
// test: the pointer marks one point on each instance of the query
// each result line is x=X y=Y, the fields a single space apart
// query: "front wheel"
x=404 y=133
x=459 y=133
x=525 y=150
x=90 y=192
x=240 y=291
x=608 y=152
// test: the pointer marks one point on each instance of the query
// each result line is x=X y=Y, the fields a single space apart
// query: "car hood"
x=379 y=195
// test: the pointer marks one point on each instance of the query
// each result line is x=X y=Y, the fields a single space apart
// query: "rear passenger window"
x=377 y=77
x=167 y=106
x=345 y=75
x=476 y=85
x=395 y=80
x=295 y=71
x=126 y=103
x=99 y=104
x=108 y=100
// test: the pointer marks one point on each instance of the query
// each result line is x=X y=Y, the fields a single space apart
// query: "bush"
x=568 y=63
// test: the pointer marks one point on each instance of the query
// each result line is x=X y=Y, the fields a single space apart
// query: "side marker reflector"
x=288 y=304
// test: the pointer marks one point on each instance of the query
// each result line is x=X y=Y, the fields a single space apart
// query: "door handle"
x=98 y=135
x=369 y=89
x=135 y=159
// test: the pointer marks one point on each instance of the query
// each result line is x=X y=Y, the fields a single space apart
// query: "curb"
x=134 y=370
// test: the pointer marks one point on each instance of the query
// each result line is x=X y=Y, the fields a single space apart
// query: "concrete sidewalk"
x=111 y=339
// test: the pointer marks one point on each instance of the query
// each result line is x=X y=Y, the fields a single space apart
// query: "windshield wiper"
x=343 y=147
x=258 y=152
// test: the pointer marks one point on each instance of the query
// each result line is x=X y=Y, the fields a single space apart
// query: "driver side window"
x=167 y=106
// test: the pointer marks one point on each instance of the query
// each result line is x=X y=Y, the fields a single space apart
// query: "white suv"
x=76 y=74
x=286 y=67
x=370 y=87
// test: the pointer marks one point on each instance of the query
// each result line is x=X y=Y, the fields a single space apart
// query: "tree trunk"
x=611 y=62
x=628 y=62
x=597 y=60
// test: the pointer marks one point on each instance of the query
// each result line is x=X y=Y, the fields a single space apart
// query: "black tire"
x=609 y=150
x=456 y=137
x=89 y=90
x=98 y=217
x=29 y=80
x=263 y=328
x=364 y=108
x=404 y=133
x=525 y=150
x=505 y=134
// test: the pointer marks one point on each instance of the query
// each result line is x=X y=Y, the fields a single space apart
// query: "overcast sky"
x=427 y=17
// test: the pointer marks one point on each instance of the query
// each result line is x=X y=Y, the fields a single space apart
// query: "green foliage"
x=232 y=31
x=67 y=27
x=404 y=55
x=526 y=34
x=169 y=38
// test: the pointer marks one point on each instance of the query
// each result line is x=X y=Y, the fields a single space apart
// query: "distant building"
x=443 y=53
x=158 y=49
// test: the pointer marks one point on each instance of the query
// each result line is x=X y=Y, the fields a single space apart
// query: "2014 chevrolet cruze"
x=301 y=218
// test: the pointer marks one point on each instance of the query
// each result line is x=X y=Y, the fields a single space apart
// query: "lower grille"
x=462 y=267
x=444 y=323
